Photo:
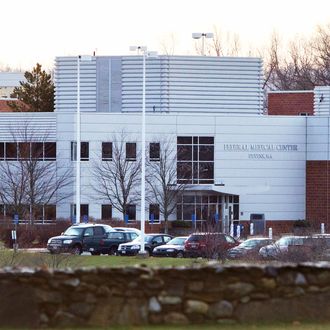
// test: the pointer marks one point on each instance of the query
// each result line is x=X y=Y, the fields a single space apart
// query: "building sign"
x=260 y=151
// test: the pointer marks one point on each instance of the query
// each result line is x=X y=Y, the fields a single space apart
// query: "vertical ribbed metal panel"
x=39 y=125
x=66 y=84
x=322 y=101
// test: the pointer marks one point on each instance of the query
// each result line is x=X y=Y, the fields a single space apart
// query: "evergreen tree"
x=36 y=94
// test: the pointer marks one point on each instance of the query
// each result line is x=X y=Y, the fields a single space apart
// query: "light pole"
x=202 y=35
x=80 y=58
x=145 y=54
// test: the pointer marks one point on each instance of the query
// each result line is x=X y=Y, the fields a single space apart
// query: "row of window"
x=107 y=151
x=40 y=212
x=106 y=212
x=28 y=150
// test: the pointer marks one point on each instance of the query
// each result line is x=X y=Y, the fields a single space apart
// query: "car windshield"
x=250 y=243
x=72 y=231
x=177 y=241
x=285 y=241
x=147 y=239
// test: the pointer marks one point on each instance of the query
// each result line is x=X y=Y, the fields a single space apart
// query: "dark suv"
x=110 y=243
x=209 y=245
x=79 y=238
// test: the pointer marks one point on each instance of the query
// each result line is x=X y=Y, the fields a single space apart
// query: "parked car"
x=283 y=246
x=110 y=243
x=138 y=231
x=209 y=245
x=249 y=249
x=150 y=241
x=78 y=238
x=173 y=248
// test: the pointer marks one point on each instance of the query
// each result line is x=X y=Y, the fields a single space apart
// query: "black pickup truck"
x=110 y=243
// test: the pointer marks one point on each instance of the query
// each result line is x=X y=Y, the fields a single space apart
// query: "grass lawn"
x=8 y=258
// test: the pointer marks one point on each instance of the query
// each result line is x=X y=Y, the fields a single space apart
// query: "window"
x=195 y=159
x=131 y=212
x=50 y=212
x=83 y=212
x=84 y=151
x=2 y=150
x=24 y=150
x=154 y=151
x=130 y=151
x=11 y=151
x=154 y=212
x=116 y=236
x=106 y=150
x=98 y=231
x=50 y=151
x=157 y=240
x=37 y=150
x=106 y=212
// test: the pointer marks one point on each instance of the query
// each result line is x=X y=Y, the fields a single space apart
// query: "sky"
x=39 y=30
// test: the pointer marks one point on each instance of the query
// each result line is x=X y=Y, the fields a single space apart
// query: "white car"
x=281 y=246
x=138 y=231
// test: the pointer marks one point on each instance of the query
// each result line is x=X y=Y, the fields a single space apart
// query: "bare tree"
x=29 y=176
x=161 y=179
x=305 y=65
x=117 y=178
x=168 y=45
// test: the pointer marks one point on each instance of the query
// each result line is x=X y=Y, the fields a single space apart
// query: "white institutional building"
x=243 y=165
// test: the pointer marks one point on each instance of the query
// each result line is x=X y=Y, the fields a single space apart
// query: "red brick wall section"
x=290 y=104
x=318 y=193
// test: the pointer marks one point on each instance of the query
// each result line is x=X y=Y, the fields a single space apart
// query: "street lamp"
x=202 y=35
x=145 y=54
x=80 y=59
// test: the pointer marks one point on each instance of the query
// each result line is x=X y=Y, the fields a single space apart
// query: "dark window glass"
x=195 y=139
x=73 y=151
x=188 y=199
x=23 y=150
x=206 y=153
x=50 y=150
x=206 y=170
x=37 y=150
x=84 y=211
x=179 y=212
x=188 y=211
x=106 y=212
x=50 y=212
x=236 y=199
x=236 y=211
x=184 y=172
x=38 y=212
x=206 y=140
x=184 y=140
x=98 y=231
x=184 y=152
x=131 y=212
x=84 y=152
x=213 y=199
x=195 y=154
x=11 y=150
x=106 y=150
x=131 y=151
x=2 y=150
x=154 y=211
x=154 y=151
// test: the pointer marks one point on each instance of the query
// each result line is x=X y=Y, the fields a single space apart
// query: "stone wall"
x=213 y=293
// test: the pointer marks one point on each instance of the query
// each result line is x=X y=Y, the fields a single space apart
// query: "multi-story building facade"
x=239 y=163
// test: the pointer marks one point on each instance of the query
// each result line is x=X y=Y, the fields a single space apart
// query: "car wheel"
x=180 y=254
x=76 y=250
x=113 y=251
